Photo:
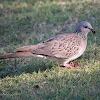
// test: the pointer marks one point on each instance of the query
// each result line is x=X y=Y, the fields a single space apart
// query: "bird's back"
x=61 y=46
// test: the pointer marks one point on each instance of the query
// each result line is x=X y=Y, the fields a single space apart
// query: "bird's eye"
x=85 y=27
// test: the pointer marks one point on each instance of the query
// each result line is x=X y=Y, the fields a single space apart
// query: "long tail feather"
x=16 y=55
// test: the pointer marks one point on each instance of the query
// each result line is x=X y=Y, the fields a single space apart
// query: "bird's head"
x=84 y=27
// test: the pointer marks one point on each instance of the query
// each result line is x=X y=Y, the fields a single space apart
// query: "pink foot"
x=70 y=66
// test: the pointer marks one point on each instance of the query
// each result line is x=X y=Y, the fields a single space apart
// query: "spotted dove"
x=62 y=48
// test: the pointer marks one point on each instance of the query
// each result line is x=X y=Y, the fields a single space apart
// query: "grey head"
x=84 y=27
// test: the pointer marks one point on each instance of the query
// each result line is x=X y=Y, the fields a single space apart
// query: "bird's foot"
x=70 y=66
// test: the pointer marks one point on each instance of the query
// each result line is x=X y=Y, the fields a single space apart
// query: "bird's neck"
x=84 y=36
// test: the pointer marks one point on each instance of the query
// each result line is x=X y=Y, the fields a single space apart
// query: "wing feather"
x=60 y=46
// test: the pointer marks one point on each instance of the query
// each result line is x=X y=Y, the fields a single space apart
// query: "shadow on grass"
x=15 y=67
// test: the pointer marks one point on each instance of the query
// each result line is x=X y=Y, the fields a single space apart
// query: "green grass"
x=26 y=22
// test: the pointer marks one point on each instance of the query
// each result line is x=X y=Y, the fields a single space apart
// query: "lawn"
x=27 y=22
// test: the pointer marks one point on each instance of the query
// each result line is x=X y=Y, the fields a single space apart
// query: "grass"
x=25 y=22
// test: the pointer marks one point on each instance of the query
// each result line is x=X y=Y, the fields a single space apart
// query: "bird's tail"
x=16 y=55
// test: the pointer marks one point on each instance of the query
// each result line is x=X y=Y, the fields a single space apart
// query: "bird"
x=62 y=48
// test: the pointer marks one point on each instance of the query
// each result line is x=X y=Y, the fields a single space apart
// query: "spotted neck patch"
x=82 y=35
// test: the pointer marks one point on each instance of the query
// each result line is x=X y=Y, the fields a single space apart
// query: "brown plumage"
x=15 y=55
x=62 y=48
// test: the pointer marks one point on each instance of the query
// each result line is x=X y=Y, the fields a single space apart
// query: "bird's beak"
x=93 y=31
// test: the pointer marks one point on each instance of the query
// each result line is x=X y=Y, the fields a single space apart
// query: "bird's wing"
x=60 y=46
